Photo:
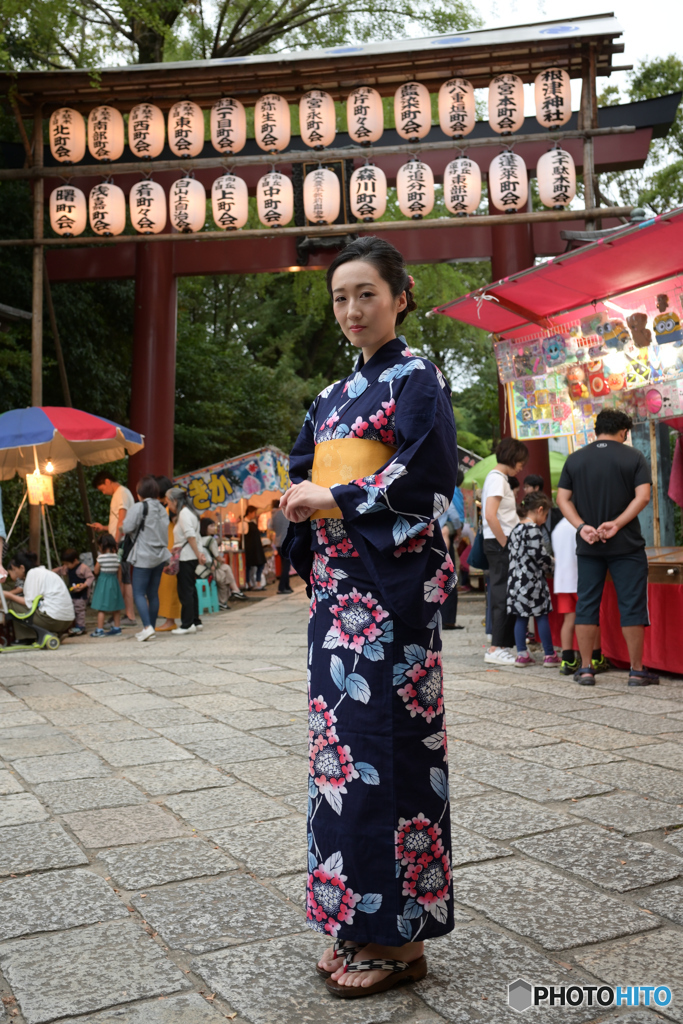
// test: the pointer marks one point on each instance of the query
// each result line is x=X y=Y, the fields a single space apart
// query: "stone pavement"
x=152 y=839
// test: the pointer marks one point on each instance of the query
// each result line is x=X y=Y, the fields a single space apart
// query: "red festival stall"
x=594 y=328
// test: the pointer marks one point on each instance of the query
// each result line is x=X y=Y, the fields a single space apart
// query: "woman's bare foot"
x=408 y=953
x=331 y=961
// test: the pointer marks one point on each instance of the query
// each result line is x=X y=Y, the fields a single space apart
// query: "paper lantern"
x=275 y=199
x=317 y=119
x=228 y=125
x=186 y=129
x=272 y=123
x=106 y=133
x=506 y=104
x=412 y=110
x=556 y=176
x=365 y=116
x=67 y=135
x=415 y=189
x=146 y=131
x=147 y=203
x=230 y=202
x=368 y=192
x=68 y=210
x=107 y=209
x=462 y=186
x=457 y=114
x=508 y=185
x=322 y=196
x=187 y=205
x=553 y=95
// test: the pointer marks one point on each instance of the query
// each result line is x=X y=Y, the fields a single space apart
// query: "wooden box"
x=665 y=565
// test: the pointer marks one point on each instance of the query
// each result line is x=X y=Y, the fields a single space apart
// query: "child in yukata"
x=79 y=579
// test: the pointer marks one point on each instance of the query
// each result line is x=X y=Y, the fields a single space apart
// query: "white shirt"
x=56 y=601
x=121 y=498
x=186 y=525
x=497 y=485
x=563 y=539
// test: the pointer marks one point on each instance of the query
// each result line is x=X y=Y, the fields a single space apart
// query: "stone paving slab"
x=630 y=812
x=159 y=863
x=262 y=719
x=269 y=849
x=533 y=781
x=274 y=776
x=34 y=746
x=654 y=702
x=115 y=962
x=204 y=916
x=133 y=752
x=218 y=743
x=36 y=848
x=217 y=808
x=128 y=702
x=22 y=717
x=568 y=755
x=600 y=736
x=60 y=767
x=168 y=718
x=175 y=777
x=285 y=736
x=468 y=848
x=667 y=902
x=109 y=732
x=667 y=755
x=603 y=858
x=629 y=721
x=676 y=841
x=55 y=900
x=293 y=887
x=500 y=737
x=538 y=903
x=113 y=688
x=82 y=794
x=121 y=826
x=9 y=783
x=82 y=716
x=59 y=702
x=651 y=780
x=20 y=808
x=506 y=817
x=184 y=1009
x=656 y=957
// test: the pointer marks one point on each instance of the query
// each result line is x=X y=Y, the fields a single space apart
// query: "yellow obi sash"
x=345 y=459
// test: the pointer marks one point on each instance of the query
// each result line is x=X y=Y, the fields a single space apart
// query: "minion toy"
x=667 y=325
x=613 y=334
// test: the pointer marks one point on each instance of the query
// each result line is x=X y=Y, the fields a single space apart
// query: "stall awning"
x=632 y=258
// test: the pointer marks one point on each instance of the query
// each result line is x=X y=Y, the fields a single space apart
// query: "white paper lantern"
x=146 y=131
x=68 y=210
x=506 y=104
x=230 y=202
x=457 y=113
x=365 y=116
x=228 y=125
x=556 y=176
x=412 y=110
x=322 y=196
x=317 y=119
x=107 y=209
x=415 y=189
x=275 y=199
x=186 y=129
x=508 y=184
x=462 y=186
x=147 y=204
x=187 y=205
x=67 y=135
x=272 y=123
x=553 y=95
x=106 y=133
x=368 y=192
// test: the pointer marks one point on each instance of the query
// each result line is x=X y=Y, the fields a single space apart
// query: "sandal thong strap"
x=344 y=949
x=395 y=966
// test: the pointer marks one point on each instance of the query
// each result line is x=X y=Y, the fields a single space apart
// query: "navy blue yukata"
x=378 y=818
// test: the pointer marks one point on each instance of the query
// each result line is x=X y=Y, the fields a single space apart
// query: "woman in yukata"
x=372 y=470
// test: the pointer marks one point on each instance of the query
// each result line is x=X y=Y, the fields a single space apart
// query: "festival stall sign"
x=259 y=478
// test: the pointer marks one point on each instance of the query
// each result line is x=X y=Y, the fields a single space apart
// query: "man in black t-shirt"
x=602 y=489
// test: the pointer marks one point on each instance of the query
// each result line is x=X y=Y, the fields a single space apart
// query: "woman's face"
x=519 y=466
x=172 y=505
x=364 y=306
x=16 y=572
x=212 y=529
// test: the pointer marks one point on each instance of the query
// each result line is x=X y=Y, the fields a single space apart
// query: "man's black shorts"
x=629 y=574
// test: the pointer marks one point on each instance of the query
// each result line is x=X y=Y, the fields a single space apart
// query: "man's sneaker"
x=500 y=656
x=522 y=660
x=125 y=621
x=237 y=595
x=179 y=631
x=600 y=664
x=114 y=631
x=145 y=634
x=551 y=661
x=98 y=633
x=198 y=626
x=568 y=668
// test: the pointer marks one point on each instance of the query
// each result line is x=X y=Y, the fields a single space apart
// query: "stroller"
x=44 y=638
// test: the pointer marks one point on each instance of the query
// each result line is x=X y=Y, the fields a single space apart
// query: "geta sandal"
x=343 y=950
x=399 y=973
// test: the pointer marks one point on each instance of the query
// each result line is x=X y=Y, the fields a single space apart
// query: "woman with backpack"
x=145 y=547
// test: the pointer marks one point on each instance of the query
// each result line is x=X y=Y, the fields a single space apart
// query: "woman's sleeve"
x=297 y=544
x=133 y=516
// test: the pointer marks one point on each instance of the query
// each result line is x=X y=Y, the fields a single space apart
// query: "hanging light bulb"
x=506 y=104
x=272 y=123
x=508 y=184
x=66 y=131
x=106 y=134
x=187 y=205
x=365 y=115
x=107 y=209
x=457 y=114
x=415 y=189
x=68 y=210
x=186 y=129
x=275 y=199
x=462 y=186
x=322 y=196
x=49 y=468
x=317 y=119
x=553 y=95
x=412 y=110
x=147 y=203
x=556 y=176
x=146 y=131
x=230 y=202
x=228 y=125
x=368 y=192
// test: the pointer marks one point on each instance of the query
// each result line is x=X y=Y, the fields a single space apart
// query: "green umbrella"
x=475 y=476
